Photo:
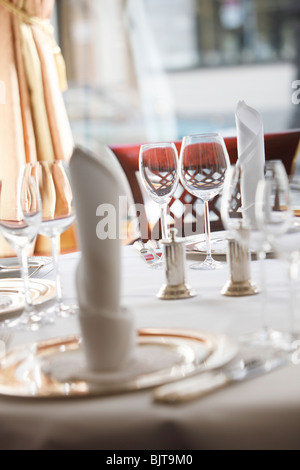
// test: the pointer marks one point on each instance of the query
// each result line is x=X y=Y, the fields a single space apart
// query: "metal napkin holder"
x=175 y=269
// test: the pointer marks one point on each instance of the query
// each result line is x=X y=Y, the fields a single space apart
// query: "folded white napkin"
x=251 y=155
x=108 y=332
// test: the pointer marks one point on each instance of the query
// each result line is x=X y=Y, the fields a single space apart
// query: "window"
x=150 y=70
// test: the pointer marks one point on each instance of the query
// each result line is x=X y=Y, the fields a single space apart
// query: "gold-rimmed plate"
x=42 y=290
x=196 y=248
x=10 y=267
x=53 y=368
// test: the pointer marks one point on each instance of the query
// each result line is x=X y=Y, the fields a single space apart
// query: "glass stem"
x=23 y=259
x=164 y=224
x=261 y=256
x=293 y=277
x=207 y=229
x=55 y=246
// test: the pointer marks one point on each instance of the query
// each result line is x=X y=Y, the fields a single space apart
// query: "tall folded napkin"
x=251 y=155
x=108 y=332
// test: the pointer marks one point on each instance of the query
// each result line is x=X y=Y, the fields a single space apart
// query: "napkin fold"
x=251 y=155
x=108 y=333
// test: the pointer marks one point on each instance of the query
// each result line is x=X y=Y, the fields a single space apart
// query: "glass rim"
x=158 y=144
x=205 y=134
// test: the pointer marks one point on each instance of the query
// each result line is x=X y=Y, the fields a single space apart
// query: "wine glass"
x=203 y=163
x=242 y=225
x=275 y=216
x=20 y=218
x=158 y=165
x=57 y=216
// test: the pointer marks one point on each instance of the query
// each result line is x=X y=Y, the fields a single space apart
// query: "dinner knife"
x=202 y=384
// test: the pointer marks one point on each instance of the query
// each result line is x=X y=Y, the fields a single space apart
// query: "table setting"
x=147 y=334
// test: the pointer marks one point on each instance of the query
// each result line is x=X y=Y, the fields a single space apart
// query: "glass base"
x=289 y=343
x=5 y=301
x=65 y=311
x=208 y=264
x=61 y=310
x=262 y=337
x=28 y=321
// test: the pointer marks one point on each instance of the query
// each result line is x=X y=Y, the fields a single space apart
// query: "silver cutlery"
x=147 y=253
x=36 y=269
x=202 y=384
x=18 y=267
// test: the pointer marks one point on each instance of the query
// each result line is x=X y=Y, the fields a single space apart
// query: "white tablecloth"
x=260 y=414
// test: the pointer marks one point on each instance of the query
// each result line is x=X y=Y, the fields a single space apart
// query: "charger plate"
x=10 y=266
x=42 y=290
x=53 y=368
x=219 y=247
x=219 y=244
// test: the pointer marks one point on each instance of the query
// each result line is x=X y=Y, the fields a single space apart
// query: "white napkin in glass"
x=251 y=155
x=108 y=333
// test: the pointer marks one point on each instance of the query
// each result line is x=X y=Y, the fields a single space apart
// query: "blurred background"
x=153 y=70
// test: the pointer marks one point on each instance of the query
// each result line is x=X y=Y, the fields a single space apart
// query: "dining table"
x=262 y=413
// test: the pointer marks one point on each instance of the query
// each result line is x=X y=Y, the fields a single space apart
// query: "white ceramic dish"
x=10 y=267
x=42 y=290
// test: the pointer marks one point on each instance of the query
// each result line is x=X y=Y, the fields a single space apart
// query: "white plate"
x=15 y=305
x=42 y=290
x=13 y=265
x=218 y=240
x=219 y=245
x=224 y=349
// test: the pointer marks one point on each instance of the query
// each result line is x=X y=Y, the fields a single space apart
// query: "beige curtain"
x=33 y=121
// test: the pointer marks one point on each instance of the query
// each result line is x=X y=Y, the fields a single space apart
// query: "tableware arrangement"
x=149 y=254
x=238 y=201
x=20 y=218
x=203 y=384
x=60 y=364
x=158 y=165
x=275 y=217
x=240 y=283
x=203 y=163
x=110 y=356
x=176 y=286
x=244 y=227
x=58 y=214
x=10 y=267
x=107 y=328
x=196 y=245
x=40 y=290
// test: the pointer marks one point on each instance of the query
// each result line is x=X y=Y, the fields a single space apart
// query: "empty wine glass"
x=203 y=163
x=275 y=215
x=242 y=225
x=158 y=165
x=20 y=218
x=57 y=216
